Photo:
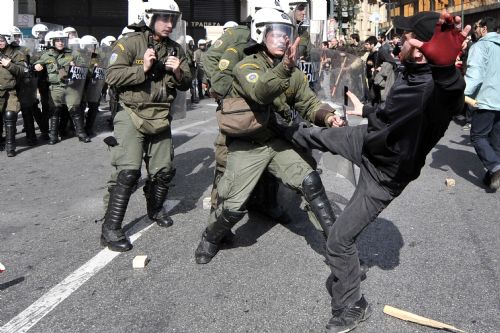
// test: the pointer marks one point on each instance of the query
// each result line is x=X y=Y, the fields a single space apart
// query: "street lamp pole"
x=462 y=5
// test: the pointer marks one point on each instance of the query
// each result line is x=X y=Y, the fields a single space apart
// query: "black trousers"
x=373 y=193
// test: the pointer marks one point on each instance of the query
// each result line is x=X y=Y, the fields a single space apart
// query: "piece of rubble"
x=450 y=182
x=140 y=261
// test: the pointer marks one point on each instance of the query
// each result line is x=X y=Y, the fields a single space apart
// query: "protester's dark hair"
x=371 y=40
x=300 y=6
x=489 y=22
x=325 y=44
x=355 y=37
x=382 y=36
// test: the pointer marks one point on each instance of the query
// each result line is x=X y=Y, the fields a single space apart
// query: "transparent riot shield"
x=337 y=71
x=311 y=37
x=96 y=74
x=28 y=84
x=77 y=74
x=178 y=108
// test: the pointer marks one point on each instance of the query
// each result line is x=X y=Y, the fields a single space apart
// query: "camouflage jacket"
x=287 y=91
x=223 y=55
x=14 y=71
x=126 y=71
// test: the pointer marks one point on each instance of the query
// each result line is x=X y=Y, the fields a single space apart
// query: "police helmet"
x=126 y=30
x=168 y=8
x=6 y=34
x=89 y=40
x=267 y=20
x=108 y=40
x=48 y=36
x=70 y=30
x=39 y=28
x=189 y=40
x=52 y=35
x=229 y=24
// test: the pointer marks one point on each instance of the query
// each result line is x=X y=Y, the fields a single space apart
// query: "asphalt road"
x=434 y=251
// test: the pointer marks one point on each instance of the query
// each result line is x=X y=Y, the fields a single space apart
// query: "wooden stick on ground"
x=408 y=316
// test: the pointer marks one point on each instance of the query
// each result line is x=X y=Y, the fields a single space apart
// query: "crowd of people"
x=415 y=86
x=50 y=78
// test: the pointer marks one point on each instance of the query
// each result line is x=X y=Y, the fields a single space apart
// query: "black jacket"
x=416 y=114
x=403 y=130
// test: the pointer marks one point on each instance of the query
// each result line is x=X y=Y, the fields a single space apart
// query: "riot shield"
x=311 y=36
x=28 y=83
x=178 y=107
x=335 y=72
x=77 y=75
x=96 y=75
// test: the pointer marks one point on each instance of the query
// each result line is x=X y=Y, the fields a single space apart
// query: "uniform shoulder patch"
x=249 y=65
x=224 y=64
x=112 y=58
x=218 y=43
x=252 y=77
x=120 y=46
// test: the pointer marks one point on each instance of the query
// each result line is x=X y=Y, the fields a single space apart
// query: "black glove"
x=110 y=141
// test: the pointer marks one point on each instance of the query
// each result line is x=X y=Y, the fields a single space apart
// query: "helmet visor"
x=277 y=35
x=166 y=16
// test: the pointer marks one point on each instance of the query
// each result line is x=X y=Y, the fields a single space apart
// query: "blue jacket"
x=483 y=72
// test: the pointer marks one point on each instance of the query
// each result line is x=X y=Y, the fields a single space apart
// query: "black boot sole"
x=115 y=246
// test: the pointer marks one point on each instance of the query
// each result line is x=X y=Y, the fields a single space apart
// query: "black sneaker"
x=346 y=319
x=495 y=180
x=487 y=179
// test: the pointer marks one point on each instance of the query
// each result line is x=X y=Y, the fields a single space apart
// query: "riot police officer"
x=39 y=32
x=12 y=67
x=268 y=79
x=200 y=71
x=147 y=67
x=219 y=62
x=192 y=66
x=58 y=61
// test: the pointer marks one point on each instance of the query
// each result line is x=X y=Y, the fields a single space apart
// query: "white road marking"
x=176 y=130
x=182 y=128
x=45 y=304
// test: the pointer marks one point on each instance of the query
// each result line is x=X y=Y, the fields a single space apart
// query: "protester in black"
x=391 y=149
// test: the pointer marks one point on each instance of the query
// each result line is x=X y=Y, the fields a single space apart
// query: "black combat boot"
x=90 y=118
x=112 y=234
x=156 y=191
x=76 y=114
x=215 y=233
x=10 y=133
x=29 y=125
x=2 y=138
x=315 y=194
x=54 y=126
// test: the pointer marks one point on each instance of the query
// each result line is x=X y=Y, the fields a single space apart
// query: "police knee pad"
x=165 y=177
x=10 y=116
x=312 y=186
x=128 y=178
x=230 y=217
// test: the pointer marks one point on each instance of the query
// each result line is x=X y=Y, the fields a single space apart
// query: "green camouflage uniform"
x=257 y=79
x=218 y=63
x=9 y=102
x=58 y=67
x=8 y=77
x=143 y=95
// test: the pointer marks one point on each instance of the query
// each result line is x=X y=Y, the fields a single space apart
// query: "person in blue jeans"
x=483 y=84
x=391 y=149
